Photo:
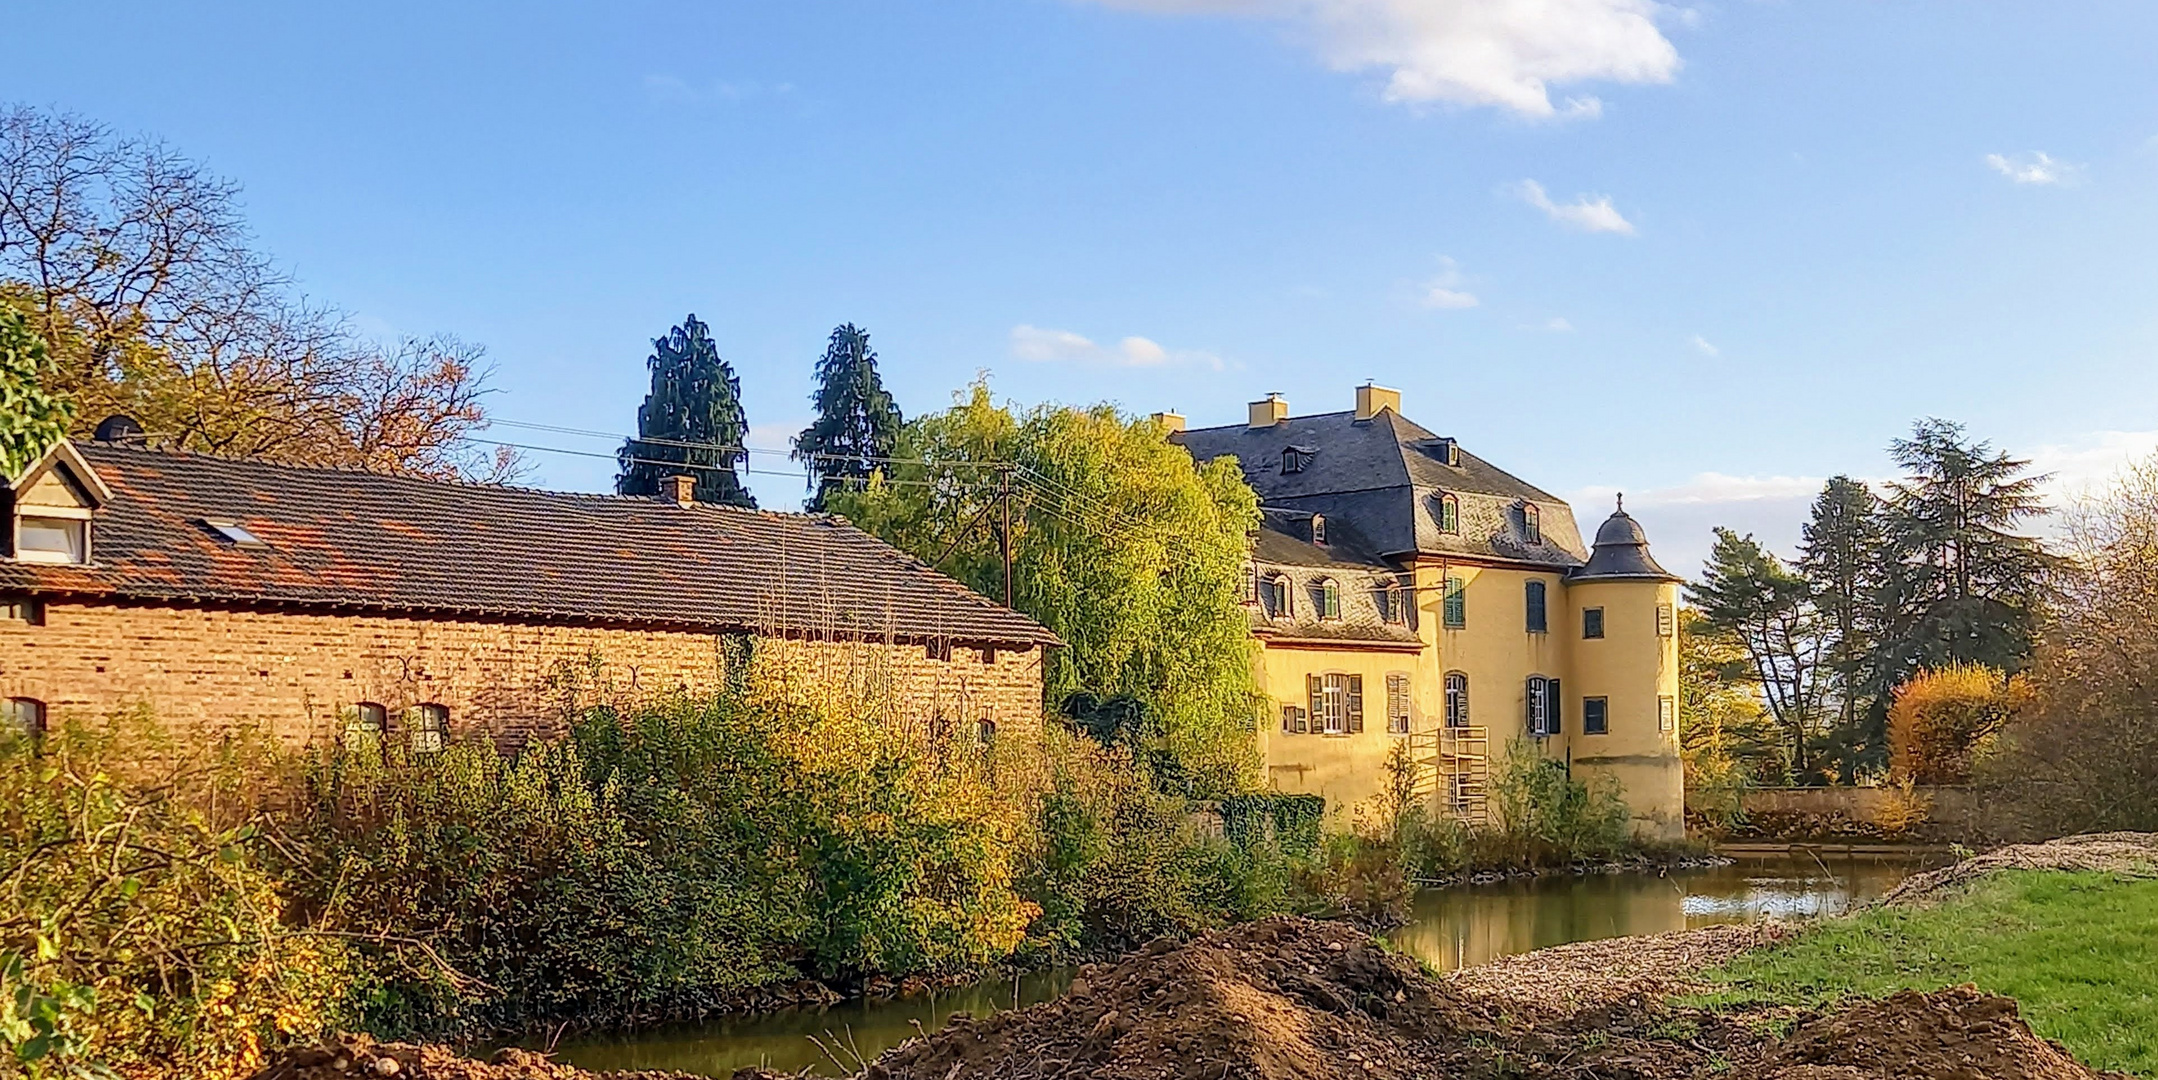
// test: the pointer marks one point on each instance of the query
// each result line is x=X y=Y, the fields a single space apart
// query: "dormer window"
x=1318 y=529
x=1326 y=596
x=1449 y=514
x=234 y=533
x=54 y=501
x=1295 y=459
x=1275 y=591
x=1449 y=452
x=1532 y=523
x=52 y=539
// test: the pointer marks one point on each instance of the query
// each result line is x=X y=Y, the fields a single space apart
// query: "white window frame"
x=1334 y=699
x=78 y=521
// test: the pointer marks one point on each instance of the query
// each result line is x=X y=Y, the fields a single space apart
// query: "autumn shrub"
x=141 y=928
x=1115 y=861
x=1941 y=717
x=1546 y=816
x=657 y=861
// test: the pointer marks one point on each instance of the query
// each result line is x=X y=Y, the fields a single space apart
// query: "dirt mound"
x=1277 y=999
x=357 y=1057
x=1956 y=1034
x=2116 y=852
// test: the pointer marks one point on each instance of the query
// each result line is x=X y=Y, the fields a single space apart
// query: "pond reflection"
x=1451 y=928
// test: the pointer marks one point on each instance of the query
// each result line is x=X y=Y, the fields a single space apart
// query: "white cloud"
x=1559 y=326
x=1502 y=53
x=1706 y=348
x=2036 y=167
x=1038 y=345
x=1587 y=213
x=1443 y=293
x=673 y=90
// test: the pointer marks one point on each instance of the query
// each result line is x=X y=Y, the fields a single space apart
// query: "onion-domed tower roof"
x=1621 y=552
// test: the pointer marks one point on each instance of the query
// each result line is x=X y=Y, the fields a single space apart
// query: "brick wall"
x=294 y=675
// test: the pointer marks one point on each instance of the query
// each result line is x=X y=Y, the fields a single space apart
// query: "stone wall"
x=1940 y=811
x=296 y=675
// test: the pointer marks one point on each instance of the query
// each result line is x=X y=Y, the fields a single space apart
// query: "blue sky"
x=1704 y=254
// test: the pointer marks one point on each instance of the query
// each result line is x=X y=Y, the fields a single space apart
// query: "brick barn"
x=301 y=602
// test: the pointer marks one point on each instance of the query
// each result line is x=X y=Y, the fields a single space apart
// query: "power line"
x=724 y=448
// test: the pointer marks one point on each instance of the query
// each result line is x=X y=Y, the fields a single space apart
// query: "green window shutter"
x=1356 y=704
x=1315 y=689
x=1457 y=605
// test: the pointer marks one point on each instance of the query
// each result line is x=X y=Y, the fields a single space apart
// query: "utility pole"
x=1004 y=535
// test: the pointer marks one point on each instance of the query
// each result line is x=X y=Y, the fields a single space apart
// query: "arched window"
x=1275 y=590
x=429 y=727
x=1318 y=529
x=26 y=716
x=1449 y=514
x=1326 y=597
x=1532 y=523
x=985 y=732
x=1538 y=617
x=366 y=725
x=1393 y=602
x=1457 y=699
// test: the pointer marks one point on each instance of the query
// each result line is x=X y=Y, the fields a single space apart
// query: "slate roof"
x=1622 y=554
x=1386 y=475
x=352 y=540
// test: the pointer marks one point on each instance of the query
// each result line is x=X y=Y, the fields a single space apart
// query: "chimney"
x=1169 y=421
x=1370 y=399
x=1269 y=412
x=680 y=489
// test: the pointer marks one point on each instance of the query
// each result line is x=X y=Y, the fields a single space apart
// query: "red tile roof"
x=360 y=541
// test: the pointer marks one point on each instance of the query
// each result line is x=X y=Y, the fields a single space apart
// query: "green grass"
x=2079 y=951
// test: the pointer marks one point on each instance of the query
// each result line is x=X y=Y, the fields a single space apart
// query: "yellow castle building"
x=1408 y=593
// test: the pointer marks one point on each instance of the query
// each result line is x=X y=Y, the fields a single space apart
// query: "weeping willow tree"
x=1120 y=544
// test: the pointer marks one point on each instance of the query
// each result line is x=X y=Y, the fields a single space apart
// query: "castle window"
x=1337 y=703
x=1318 y=529
x=1532 y=523
x=1276 y=591
x=1538 y=618
x=1292 y=720
x=1457 y=699
x=1666 y=620
x=1326 y=596
x=1543 y=706
x=367 y=724
x=52 y=539
x=1457 y=603
x=1394 y=603
x=1449 y=514
x=1666 y=714
x=26 y=716
x=1592 y=622
x=430 y=728
x=1595 y=716
x=1397 y=703
x=1251 y=584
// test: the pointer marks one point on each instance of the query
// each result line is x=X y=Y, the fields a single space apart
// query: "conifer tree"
x=1748 y=593
x=691 y=421
x=1958 y=585
x=857 y=422
x=1840 y=557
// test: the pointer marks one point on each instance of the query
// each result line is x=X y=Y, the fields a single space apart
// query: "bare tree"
x=136 y=267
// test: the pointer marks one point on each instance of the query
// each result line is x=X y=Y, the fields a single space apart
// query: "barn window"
x=430 y=728
x=366 y=726
x=26 y=716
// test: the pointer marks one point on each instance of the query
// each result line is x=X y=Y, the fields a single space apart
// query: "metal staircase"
x=1453 y=766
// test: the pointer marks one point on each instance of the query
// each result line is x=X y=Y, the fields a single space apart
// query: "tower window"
x=1592 y=622
x=1538 y=616
x=1595 y=716
x=1666 y=714
x=1666 y=621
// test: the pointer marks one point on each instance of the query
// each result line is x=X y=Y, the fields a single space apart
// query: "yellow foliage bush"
x=1942 y=718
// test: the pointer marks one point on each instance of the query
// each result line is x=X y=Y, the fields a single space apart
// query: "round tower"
x=1623 y=614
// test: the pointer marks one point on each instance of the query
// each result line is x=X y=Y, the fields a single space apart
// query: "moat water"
x=1451 y=928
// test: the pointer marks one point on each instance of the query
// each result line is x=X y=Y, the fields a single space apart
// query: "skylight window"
x=234 y=533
